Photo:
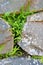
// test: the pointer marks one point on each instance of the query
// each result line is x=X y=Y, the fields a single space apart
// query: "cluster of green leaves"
x=17 y=21
x=16 y=51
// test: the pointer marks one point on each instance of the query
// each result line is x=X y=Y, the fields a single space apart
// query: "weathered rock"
x=32 y=35
x=36 y=5
x=15 y=5
x=36 y=17
x=6 y=38
x=11 y=5
x=20 y=61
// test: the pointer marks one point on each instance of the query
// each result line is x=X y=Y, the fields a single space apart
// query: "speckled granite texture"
x=20 y=61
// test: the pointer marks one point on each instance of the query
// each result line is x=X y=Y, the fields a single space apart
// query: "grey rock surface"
x=36 y=5
x=6 y=38
x=3 y=25
x=36 y=17
x=11 y=5
x=32 y=35
x=20 y=61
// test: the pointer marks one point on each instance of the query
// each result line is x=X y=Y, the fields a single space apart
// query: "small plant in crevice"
x=17 y=21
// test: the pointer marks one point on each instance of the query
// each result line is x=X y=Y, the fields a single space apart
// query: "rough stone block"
x=32 y=35
x=36 y=5
x=20 y=61
x=11 y=5
x=6 y=37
